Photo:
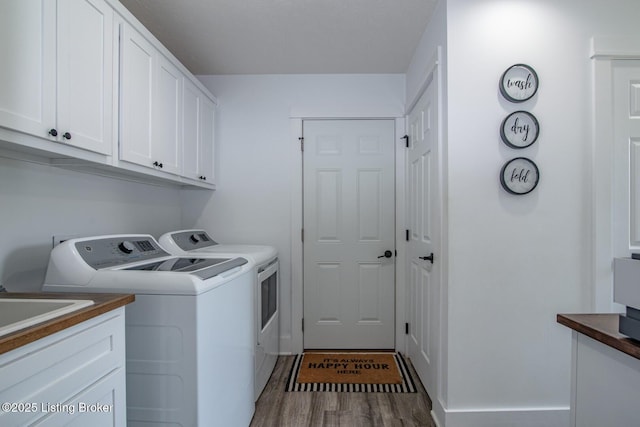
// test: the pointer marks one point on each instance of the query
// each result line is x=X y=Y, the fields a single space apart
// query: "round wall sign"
x=519 y=129
x=519 y=176
x=519 y=83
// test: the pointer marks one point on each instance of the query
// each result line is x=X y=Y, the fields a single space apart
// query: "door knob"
x=427 y=258
x=387 y=254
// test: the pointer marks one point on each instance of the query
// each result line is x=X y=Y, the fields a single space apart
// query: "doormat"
x=351 y=372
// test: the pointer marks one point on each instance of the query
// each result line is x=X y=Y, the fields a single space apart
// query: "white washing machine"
x=189 y=333
x=266 y=290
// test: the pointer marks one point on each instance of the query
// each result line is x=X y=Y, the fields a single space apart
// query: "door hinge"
x=406 y=140
x=301 y=139
x=302 y=234
x=406 y=328
x=303 y=324
x=407 y=235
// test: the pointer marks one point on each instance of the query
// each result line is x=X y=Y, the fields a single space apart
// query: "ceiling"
x=287 y=36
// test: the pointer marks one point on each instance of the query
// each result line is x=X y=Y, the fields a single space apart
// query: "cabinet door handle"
x=53 y=133
x=158 y=164
x=66 y=135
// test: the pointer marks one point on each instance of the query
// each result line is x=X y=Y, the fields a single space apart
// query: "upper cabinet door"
x=136 y=89
x=197 y=134
x=207 y=141
x=191 y=104
x=85 y=74
x=27 y=74
x=167 y=148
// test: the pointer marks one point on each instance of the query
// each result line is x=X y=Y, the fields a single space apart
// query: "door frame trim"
x=297 y=294
x=604 y=51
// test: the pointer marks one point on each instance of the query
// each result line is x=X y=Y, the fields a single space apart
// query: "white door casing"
x=606 y=52
x=349 y=221
x=626 y=154
x=423 y=248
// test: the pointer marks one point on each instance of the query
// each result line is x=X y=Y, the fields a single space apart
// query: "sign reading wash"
x=349 y=368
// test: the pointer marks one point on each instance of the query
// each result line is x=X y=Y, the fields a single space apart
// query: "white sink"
x=19 y=313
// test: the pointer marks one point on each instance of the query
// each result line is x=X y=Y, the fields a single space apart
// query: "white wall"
x=38 y=201
x=256 y=160
x=434 y=37
x=517 y=261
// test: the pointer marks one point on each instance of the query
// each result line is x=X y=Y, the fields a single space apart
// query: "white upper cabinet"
x=167 y=118
x=85 y=74
x=83 y=83
x=207 y=157
x=27 y=74
x=56 y=81
x=191 y=107
x=198 y=134
x=151 y=105
x=136 y=89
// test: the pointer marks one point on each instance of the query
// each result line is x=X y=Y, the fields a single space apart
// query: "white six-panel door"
x=349 y=223
x=626 y=191
x=423 y=252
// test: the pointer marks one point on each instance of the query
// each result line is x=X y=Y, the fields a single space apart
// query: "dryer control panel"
x=115 y=251
x=192 y=239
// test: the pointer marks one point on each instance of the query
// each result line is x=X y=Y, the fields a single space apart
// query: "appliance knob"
x=194 y=238
x=126 y=247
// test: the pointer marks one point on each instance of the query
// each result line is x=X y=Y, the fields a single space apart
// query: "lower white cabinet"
x=75 y=377
x=605 y=385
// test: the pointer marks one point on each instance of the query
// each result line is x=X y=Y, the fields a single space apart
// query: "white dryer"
x=189 y=334
x=266 y=290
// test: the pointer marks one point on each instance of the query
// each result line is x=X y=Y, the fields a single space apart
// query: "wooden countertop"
x=603 y=328
x=102 y=303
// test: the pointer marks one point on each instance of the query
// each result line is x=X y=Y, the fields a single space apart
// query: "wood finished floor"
x=277 y=408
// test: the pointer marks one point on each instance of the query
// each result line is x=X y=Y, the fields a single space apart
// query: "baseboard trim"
x=435 y=419
x=506 y=417
x=285 y=345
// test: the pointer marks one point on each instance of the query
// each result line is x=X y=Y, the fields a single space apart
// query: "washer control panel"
x=115 y=251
